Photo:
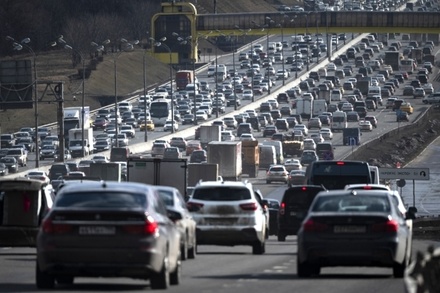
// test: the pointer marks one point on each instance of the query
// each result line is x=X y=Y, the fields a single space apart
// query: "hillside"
x=56 y=65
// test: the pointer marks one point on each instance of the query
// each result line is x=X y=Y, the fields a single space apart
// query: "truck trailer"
x=227 y=155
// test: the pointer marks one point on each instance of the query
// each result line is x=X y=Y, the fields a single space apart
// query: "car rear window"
x=277 y=169
x=344 y=203
x=101 y=200
x=301 y=196
x=221 y=194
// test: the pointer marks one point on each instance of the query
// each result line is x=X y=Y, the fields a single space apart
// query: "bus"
x=408 y=65
x=339 y=121
x=337 y=174
x=160 y=111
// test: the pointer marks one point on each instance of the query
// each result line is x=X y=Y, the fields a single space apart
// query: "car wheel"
x=161 y=280
x=259 y=247
x=44 y=280
x=281 y=237
x=192 y=251
x=399 y=269
x=65 y=280
x=303 y=270
x=184 y=249
x=177 y=273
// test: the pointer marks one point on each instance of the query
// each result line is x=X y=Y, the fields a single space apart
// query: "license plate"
x=97 y=230
x=350 y=229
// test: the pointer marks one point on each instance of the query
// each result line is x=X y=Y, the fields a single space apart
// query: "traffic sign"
x=404 y=173
x=401 y=183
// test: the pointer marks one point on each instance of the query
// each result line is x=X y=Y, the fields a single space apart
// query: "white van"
x=374 y=171
x=268 y=156
x=278 y=148
x=322 y=72
x=374 y=90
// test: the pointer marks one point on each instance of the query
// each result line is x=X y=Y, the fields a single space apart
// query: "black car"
x=3 y=169
x=10 y=163
x=294 y=206
x=273 y=207
x=111 y=229
x=282 y=124
x=269 y=131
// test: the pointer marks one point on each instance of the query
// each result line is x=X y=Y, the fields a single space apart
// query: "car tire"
x=184 y=249
x=65 y=280
x=259 y=247
x=192 y=251
x=281 y=237
x=399 y=269
x=161 y=280
x=303 y=270
x=43 y=279
x=176 y=275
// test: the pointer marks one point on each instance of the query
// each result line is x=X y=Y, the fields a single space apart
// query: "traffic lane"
x=235 y=270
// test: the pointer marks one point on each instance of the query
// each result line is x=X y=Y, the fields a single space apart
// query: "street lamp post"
x=144 y=67
x=296 y=44
x=115 y=55
x=83 y=62
x=19 y=46
x=159 y=44
x=184 y=41
x=233 y=81
x=307 y=32
x=267 y=49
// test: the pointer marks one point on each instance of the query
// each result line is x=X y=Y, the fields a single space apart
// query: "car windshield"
x=221 y=194
x=103 y=200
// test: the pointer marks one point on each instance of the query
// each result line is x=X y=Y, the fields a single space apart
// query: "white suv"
x=229 y=213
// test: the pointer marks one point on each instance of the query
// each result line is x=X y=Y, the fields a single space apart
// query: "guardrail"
x=423 y=275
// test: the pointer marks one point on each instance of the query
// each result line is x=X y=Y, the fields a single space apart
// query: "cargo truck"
x=319 y=107
x=209 y=133
x=304 y=108
x=204 y=172
x=351 y=136
x=76 y=144
x=106 y=171
x=156 y=171
x=73 y=119
x=227 y=155
x=251 y=158
x=392 y=58
x=183 y=78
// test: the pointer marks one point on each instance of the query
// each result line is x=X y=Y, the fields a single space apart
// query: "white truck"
x=319 y=107
x=304 y=108
x=209 y=133
x=76 y=143
x=73 y=119
x=227 y=155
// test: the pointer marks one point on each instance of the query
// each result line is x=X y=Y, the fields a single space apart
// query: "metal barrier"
x=423 y=275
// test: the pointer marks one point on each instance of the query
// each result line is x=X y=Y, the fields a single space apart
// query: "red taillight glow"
x=49 y=227
x=282 y=208
x=150 y=227
x=389 y=226
x=366 y=187
x=340 y=163
x=303 y=188
x=194 y=206
x=313 y=226
x=249 y=206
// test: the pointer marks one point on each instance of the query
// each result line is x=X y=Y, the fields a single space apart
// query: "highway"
x=234 y=269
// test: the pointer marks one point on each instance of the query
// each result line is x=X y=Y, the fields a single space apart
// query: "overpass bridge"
x=182 y=26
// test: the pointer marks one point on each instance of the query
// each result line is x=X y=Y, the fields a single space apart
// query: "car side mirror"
x=411 y=213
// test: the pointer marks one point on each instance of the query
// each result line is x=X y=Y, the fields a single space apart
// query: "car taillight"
x=149 y=227
x=313 y=226
x=249 y=206
x=194 y=206
x=282 y=208
x=50 y=227
x=389 y=226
